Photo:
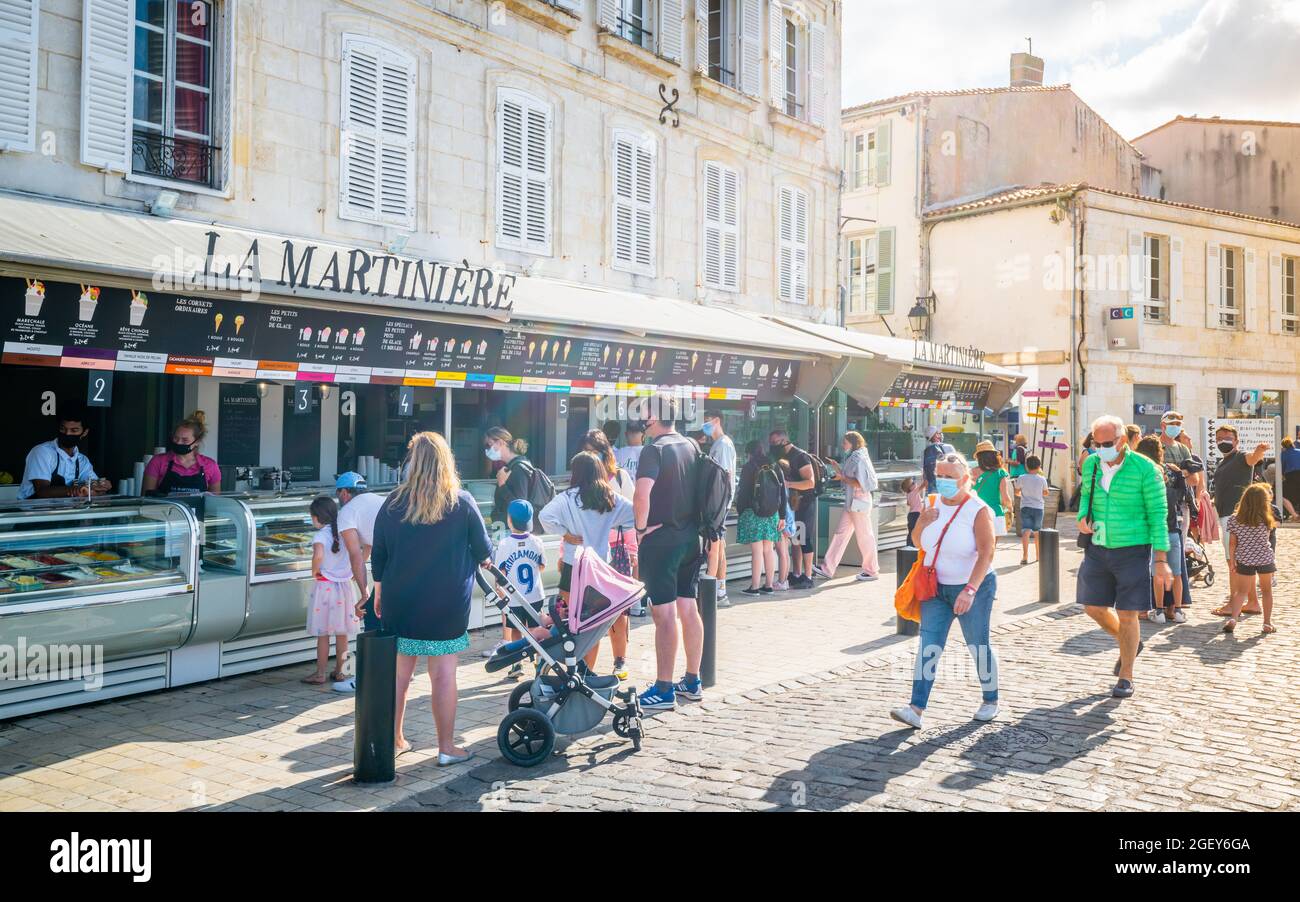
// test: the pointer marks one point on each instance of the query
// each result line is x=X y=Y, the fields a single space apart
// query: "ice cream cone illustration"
x=568 y=346
x=532 y=346
x=464 y=346
x=654 y=356
x=695 y=359
x=360 y=336
x=139 y=306
x=546 y=343
x=239 y=323
x=216 y=322
x=324 y=334
x=618 y=358
x=342 y=337
x=555 y=351
x=35 y=297
x=604 y=356
x=87 y=303
x=640 y=360
x=482 y=347
x=789 y=370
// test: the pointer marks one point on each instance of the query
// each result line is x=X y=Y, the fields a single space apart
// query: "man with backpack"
x=722 y=450
x=807 y=477
x=667 y=511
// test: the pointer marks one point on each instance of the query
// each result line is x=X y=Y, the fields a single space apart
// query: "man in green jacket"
x=1122 y=507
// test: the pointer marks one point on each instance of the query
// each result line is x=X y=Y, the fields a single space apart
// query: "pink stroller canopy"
x=598 y=593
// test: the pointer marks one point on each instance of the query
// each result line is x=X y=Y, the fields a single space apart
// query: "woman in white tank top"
x=962 y=557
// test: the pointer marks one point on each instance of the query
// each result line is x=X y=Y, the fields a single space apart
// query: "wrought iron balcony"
x=176 y=159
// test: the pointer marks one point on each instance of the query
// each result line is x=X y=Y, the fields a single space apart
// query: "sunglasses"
x=1109 y=444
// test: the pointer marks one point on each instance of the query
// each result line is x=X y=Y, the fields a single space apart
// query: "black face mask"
x=1226 y=447
x=177 y=448
x=775 y=451
x=68 y=442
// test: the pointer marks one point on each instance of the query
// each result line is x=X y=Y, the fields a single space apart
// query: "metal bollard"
x=373 y=752
x=1049 y=566
x=904 y=558
x=707 y=599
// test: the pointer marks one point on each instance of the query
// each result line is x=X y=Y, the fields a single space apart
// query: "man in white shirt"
x=723 y=450
x=58 y=468
x=629 y=455
x=358 y=509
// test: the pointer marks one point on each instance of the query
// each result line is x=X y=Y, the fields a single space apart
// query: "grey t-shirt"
x=1176 y=453
x=723 y=450
x=1033 y=491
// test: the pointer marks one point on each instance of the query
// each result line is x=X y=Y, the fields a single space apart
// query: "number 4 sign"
x=99 y=392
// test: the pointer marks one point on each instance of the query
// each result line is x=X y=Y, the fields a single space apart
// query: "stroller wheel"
x=521 y=696
x=526 y=737
x=623 y=723
x=1209 y=578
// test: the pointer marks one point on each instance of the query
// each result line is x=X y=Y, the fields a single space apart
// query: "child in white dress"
x=331 y=611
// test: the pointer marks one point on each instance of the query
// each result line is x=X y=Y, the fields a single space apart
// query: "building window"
x=635 y=22
x=793 y=76
x=867 y=157
x=1230 y=280
x=377 y=134
x=1150 y=403
x=634 y=216
x=723 y=39
x=792 y=245
x=1290 y=315
x=871 y=273
x=721 y=227
x=1155 y=278
x=173 y=103
x=524 y=172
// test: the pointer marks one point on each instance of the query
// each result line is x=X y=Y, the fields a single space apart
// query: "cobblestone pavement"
x=805 y=680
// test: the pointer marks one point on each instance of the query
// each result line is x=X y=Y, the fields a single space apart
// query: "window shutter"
x=1212 y=285
x=1275 y=293
x=776 y=55
x=225 y=109
x=751 y=47
x=359 y=132
x=1176 y=309
x=397 y=140
x=523 y=173
x=19 y=21
x=800 y=247
x=607 y=14
x=785 y=244
x=1136 y=270
x=884 y=143
x=817 y=74
x=670 y=29
x=1251 y=293
x=107 y=51
x=721 y=226
x=634 y=203
x=702 y=36
x=885 y=271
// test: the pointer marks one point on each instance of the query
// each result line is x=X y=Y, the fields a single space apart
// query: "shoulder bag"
x=1085 y=538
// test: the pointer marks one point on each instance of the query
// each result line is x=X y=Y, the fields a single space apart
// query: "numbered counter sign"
x=99 y=392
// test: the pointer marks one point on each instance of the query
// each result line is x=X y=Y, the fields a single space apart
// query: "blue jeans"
x=936 y=620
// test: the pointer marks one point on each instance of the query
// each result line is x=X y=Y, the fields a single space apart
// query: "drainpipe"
x=1078 y=318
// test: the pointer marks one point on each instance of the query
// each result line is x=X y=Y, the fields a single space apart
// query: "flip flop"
x=314 y=680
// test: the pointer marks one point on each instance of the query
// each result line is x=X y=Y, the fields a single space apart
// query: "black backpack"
x=820 y=471
x=540 y=488
x=712 y=496
x=767 y=491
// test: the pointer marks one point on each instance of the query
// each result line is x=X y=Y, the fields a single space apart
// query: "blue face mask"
x=492 y=452
x=707 y=429
x=1108 y=455
x=947 y=487
x=1173 y=431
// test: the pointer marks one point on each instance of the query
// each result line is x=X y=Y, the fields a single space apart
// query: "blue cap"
x=520 y=513
x=349 y=480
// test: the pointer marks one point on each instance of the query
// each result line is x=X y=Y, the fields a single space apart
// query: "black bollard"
x=373 y=752
x=905 y=557
x=1049 y=566
x=707 y=598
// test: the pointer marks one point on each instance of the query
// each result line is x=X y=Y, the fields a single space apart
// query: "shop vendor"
x=58 y=468
x=181 y=469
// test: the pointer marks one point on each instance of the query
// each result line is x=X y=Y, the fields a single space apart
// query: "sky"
x=1138 y=63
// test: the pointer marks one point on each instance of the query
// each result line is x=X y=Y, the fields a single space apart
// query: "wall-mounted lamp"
x=921 y=316
x=325 y=390
x=263 y=390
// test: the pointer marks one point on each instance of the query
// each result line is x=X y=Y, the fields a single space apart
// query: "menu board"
x=927 y=390
x=239 y=415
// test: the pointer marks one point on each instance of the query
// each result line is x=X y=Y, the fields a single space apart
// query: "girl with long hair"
x=331 y=611
x=622 y=542
x=1251 y=554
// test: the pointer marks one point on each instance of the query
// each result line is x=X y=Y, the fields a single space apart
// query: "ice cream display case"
x=113 y=578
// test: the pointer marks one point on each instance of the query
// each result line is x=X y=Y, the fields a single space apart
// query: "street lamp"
x=920 y=315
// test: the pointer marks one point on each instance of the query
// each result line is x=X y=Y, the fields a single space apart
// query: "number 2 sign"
x=99 y=391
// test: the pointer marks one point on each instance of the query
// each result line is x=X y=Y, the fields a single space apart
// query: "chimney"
x=1026 y=70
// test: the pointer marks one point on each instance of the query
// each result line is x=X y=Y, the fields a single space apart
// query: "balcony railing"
x=636 y=32
x=176 y=159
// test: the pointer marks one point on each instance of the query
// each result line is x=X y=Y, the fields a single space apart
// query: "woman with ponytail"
x=331 y=611
x=515 y=472
x=181 y=469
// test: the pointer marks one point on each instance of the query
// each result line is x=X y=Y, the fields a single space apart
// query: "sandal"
x=1268 y=628
x=316 y=679
x=338 y=676
x=1222 y=611
x=1230 y=625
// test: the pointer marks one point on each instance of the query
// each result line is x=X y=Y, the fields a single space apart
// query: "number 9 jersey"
x=522 y=559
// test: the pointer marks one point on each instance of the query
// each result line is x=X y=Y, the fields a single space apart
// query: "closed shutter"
x=225 y=109
x=751 y=47
x=107 y=51
x=1177 y=309
x=792 y=245
x=776 y=55
x=670 y=29
x=523 y=173
x=397 y=141
x=817 y=74
x=1251 y=294
x=607 y=14
x=19 y=21
x=884 y=143
x=702 y=36
x=721 y=226
x=885 y=271
x=1212 y=252
x=1136 y=272
x=377 y=158
x=634 y=203
x=1275 y=308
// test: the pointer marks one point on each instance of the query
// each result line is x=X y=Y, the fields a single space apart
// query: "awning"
x=895 y=356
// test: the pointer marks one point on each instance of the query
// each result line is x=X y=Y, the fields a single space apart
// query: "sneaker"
x=907 y=715
x=1179 y=616
x=489 y=652
x=752 y=590
x=1141 y=645
x=781 y=586
x=820 y=572
x=620 y=668
x=692 y=690
x=653 y=700
x=515 y=672
x=1157 y=617
x=800 y=582
x=987 y=711
x=867 y=577
x=348 y=685
x=1123 y=689
x=765 y=590
x=640 y=610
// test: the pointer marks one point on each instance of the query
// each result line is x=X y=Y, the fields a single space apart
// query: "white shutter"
x=751 y=47
x=885 y=271
x=523 y=173
x=721 y=226
x=776 y=55
x=225 y=107
x=397 y=140
x=785 y=244
x=670 y=29
x=107 y=51
x=1212 y=253
x=359 y=131
x=1136 y=271
x=702 y=36
x=607 y=14
x=634 y=202
x=1177 y=310
x=884 y=144
x=19 y=21
x=1275 y=309
x=1251 y=293
x=817 y=74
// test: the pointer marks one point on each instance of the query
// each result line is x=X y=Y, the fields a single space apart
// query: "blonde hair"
x=1253 y=509
x=197 y=423
x=502 y=434
x=428 y=493
x=854 y=439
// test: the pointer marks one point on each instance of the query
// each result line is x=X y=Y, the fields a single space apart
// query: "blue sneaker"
x=653 y=700
x=692 y=690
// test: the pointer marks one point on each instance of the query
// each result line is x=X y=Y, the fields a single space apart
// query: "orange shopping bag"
x=906 y=603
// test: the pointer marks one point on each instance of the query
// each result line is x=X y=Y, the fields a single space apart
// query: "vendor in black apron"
x=181 y=469
x=58 y=468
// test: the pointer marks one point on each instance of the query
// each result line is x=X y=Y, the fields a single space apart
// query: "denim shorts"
x=1176 y=557
x=1031 y=519
x=1118 y=578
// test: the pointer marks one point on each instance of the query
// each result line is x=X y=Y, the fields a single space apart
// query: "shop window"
x=1155 y=278
x=792 y=245
x=524 y=126
x=1252 y=402
x=871 y=273
x=634 y=214
x=1150 y=402
x=1290 y=314
x=721 y=227
x=377 y=138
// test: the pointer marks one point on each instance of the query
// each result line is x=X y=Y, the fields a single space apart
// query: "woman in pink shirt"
x=182 y=470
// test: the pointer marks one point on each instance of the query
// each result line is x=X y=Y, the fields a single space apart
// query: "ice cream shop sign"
x=252 y=265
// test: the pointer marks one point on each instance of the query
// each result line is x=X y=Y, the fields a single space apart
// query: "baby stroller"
x=1200 y=572
x=565 y=697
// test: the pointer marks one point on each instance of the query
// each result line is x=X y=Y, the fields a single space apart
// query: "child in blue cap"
x=522 y=559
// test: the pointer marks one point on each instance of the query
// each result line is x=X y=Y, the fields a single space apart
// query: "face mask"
x=946 y=486
x=774 y=451
x=1173 y=431
x=1226 y=447
x=1108 y=455
x=707 y=429
x=178 y=448
x=493 y=452
x=68 y=442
